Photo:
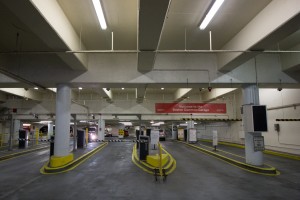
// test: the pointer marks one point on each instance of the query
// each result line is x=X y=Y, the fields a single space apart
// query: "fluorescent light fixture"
x=213 y=10
x=158 y=124
x=52 y=89
x=80 y=88
x=162 y=88
x=36 y=88
x=71 y=123
x=100 y=14
x=45 y=122
x=126 y=123
x=26 y=124
x=122 y=88
x=82 y=121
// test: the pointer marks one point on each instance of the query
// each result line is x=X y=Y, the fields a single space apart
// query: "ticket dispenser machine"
x=23 y=143
x=144 y=147
x=80 y=138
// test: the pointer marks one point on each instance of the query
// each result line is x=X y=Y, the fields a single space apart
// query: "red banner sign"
x=190 y=108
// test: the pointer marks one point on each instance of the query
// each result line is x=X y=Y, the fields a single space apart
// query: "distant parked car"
x=107 y=134
x=162 y=135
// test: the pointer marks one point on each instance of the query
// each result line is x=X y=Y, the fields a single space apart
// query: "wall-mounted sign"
x=190 y=108
x=192 y=135
x=154 y=137
x=258 y=142
x=180 y=134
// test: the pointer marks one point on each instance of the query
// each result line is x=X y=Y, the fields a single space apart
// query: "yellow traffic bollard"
x=160 y=159
x=37 y=136
x=86 y=136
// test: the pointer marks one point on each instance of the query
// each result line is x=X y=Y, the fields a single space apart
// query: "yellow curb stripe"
x=277 y=172
x=293 y=157
x=270 y=152
x=72 y=165
x=172 y=161
x=137 y=163
x=14 y=155
x=221 y=151
x=268 y=171
x=143 y=165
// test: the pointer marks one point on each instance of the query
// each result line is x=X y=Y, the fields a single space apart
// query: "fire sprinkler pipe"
x=156 y=51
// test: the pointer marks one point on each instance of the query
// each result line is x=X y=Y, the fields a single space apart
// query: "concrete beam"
x=140 y=94
x=54 y=15
x=46 y=20
x=21 y=92
x=108 y=95
x=6 y=79
x=291 y=61
x=216 y=93
x=151 y=19
x=74 y=96
x=2 y=97
x=181 y=94
x=275 y=22
x=146 y=61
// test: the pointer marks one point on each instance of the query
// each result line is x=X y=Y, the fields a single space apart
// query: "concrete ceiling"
x=183 y=15
x=49 y=28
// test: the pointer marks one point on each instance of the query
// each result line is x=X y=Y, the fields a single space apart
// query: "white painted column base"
x=252 y=157
x=62 y=121
x=251 y=96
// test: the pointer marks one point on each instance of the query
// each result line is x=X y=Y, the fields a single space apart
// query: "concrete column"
x=191 y=124
x=101 y=129
x=50 y=130
x=74 y=132
x=17 y=127
x=11 y=133
x=251 y=96
x=62 y=127
x=174 y=132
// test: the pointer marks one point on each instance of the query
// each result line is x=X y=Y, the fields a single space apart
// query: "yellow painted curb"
x=270 y=171
x=14 y=155
x=58 y=161
x=154 y=160
x=169 y=166
x=270 y=152
x=72 y=165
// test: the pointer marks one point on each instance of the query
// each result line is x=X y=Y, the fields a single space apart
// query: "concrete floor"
x=110 y=174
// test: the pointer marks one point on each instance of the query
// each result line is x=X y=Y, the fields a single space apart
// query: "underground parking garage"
x=170 y=102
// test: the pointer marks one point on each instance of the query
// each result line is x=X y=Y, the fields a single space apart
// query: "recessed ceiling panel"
x=121 y=19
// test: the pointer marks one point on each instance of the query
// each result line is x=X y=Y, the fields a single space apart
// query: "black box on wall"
x=255 y=119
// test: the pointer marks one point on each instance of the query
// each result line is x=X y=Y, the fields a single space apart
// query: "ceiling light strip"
x=213 y=10
x=100 y=14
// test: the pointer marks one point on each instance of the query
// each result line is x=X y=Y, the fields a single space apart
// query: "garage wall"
x=121 y=104
x=287 y=139
x=227 y=131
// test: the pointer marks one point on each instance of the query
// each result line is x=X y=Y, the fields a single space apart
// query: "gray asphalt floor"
x=110 y=174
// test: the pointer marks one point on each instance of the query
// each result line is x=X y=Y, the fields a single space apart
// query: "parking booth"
x=80 y=138
x=148 y=132
x=192 y=135
x=185 y=134
x=137 y=134
x=144 y=147
x=121 y=134
x=52 y=145
x=22 y=139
